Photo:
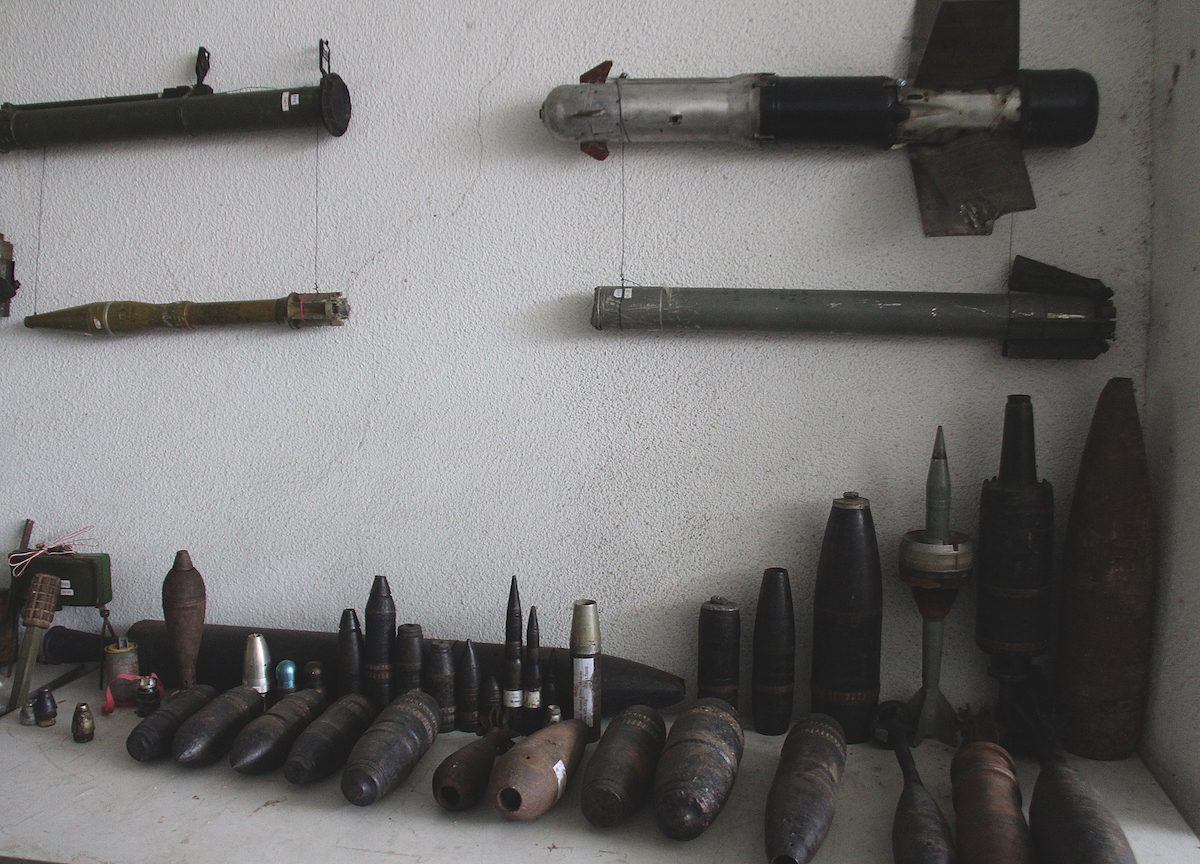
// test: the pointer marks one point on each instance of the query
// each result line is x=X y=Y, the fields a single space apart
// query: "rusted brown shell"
x=698 y=766
x=620 y=773
x=184 y=602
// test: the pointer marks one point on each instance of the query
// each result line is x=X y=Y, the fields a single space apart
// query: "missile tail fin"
x=965 y=44
x=965 y=185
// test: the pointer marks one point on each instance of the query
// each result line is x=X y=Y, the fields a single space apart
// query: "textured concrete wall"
x=1170 y=744
x=468 y=424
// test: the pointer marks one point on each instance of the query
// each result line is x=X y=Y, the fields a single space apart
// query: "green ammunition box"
x=86 y=578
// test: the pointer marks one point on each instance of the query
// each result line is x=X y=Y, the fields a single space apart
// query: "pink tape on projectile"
x=110 y=705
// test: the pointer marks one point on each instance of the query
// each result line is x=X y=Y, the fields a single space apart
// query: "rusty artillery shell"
x=696 y=771
x=848 y=619
x=184 y=603
x=466 y=689
x=774 y=671
x=264 y=744
x=621 y=771
x=1108 y=585
x=324 y=745
x=920 y=833
x=83 y=724
x=530 y=778
x=351 y=651
x=151 y=739
x=990 y=826
x=533 y=715
x=208 y=734
x=462 y=778
x=439 y=681
x=45 y=707
x=804 y=792
x=380 y=642
x=1069 y=822
x=406 y=670
x=387 y=752
x=719 y=645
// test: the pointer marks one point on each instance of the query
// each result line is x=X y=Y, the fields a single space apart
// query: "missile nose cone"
x=937 y=494
x=380 y=588
x=939 y=445
x=183 y=560
x=1018 y=462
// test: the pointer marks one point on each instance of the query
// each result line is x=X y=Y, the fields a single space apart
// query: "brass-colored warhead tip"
x=585 y=628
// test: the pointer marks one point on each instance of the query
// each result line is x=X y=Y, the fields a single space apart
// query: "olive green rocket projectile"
x=324 y=745
x=151 y=739
x=531 y=777
x=127 y=316
x=208 y=734
x=719 y=637
x=804 y=792
x=989 y=823
x=187 y=110
x=774 y=670
x=697 y=768
x=462 y=778
x=264 y=744
x=621 y=771
x=1047 y=313
x=351 y=651
x=848 y=619
x=380 y=615
x=438 y=681
x=387 y=752
x=920 y=833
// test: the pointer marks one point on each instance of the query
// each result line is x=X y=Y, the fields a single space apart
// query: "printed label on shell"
x=560 y=771
x=584 y=690
x=284 y=99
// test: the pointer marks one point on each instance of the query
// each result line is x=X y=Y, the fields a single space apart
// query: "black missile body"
x=491 y=712
x=151 y=739
x=848 y=619
x=462 y=778
x=408 y=663
x=387 y=752
x=804 y=792
x=264 y=744
x=533 y=713
x=466 y=689
x=439 y=681
x=920 y=833
x=351 y=653
x=208 y=734
x=697 y=768
x=380 y=641
x=774 y=670
x=324 y=745
x=718 y=661
x=620 y=773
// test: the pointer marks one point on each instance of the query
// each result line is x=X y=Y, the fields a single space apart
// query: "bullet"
x=462 y=778
x=848 y=619
x=324 y=745
x=264 y=744
x=256 y=663
x=533 y=714
x=774 y=671
x=406 y=669
x=149 y=696
x=311 y=677
x=285 y=679
x=530 y=778
x=511 y=694
x=380 y=642
x=350 y=653
x=697 y=768
x=83 y=724
x=490 y=710
x=804 y=792
x=45 y=707
x=719 y=638
x=920 y=833
x=620 y=773
x=935 y=563
x=207 y=735
x=184 y=602
x=990 y=825
x=388 y=751
x=151 y=739
x=1069 y=821
x=466 y=689
x=585 y=666
x=1103 y=660
x=439 y=681
x=36 y=616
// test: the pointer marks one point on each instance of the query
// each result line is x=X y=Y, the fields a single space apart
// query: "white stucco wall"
x=468 y=424
x=1170 y=743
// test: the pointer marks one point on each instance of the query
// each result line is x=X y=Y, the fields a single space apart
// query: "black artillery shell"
x=325 y=744
x=466 y=689
x=718 y=658
x=1069 y=822
x=264 y=744
x=462 y=778
x=406 y=671
x=848 y=620
x=1108 y=585
x=804 y=792
x=990 y=825
x=387 y=752
x=351 y=651
x=696 y=771
x=208 y=734
x=774 y=670
x=439 y=681
x=621 y=771
x=380 y=641
x=530 y=778
x=151 y=739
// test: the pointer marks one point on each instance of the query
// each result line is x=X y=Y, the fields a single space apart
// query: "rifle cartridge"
x=462 y=778
x=207 y=735
x=380 y=642
x=530 y=778
x=804 y=792
x=989 y=823
x=408 y=663
x=774 y=671
x=718 y=663
x=264 y=744
x=621 y=771
x=351 y=650
x=324 y=745
x=439 y=681
x=388 y=751
x=151 y=739
x=697 y=768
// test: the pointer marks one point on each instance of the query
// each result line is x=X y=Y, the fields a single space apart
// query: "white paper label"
x=512 y=698
x=585 y=689
x=295 y=100
x=284 y=99
x=67 y=592
x=533 y=698
x=65 y=586
x=560 y=771
x=627 y=293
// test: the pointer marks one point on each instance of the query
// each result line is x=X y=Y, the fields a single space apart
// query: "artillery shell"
x=151 y=739
x=380 y=642
x=1069 y=821
x=804 y=792
x=466 y=690
x=208 y=734
x=621 y=771
x=530 y=778
x=462 y=778
x=406 y=670
x=533 y=715
x=990 y=826
x=311 y=678
x=586 y=665
x=45 y=707
x=184 y=603
x=83 y=724
x=489 y=702
x=350 y=653
x=848 y=619
x=387 y=752
x=696 y=771
x=324 y=745
x=774 y=671
x=718 y=661
x=264 y=744
x=1108 y=585
x=439 y=681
